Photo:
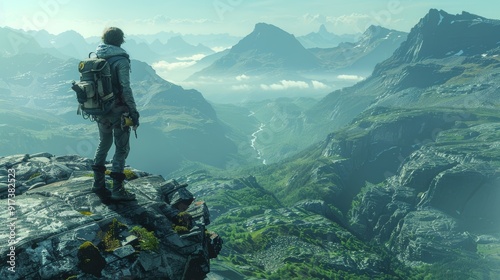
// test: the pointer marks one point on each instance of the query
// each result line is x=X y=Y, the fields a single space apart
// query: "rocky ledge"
x=56 y=228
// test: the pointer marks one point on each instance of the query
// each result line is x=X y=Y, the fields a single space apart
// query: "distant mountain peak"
x=266 y=38
x=325 y=39
x=176 y=40
x=322 y=30
x=375 y=33
x=261 y=26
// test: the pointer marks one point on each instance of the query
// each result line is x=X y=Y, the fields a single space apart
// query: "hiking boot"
x=118 y=193
x=122 y=195
x=99 y=184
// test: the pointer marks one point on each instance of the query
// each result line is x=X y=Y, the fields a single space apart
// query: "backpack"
x=94 y=91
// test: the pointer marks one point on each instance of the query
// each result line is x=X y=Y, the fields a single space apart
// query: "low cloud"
x=195 y=57
x=169 y=66
x=219 y=49
x=285 y=84
x=350 y=77
x=242 y=77
x=319 y=85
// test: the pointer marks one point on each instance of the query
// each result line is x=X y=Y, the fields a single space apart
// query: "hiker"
x=110 y=125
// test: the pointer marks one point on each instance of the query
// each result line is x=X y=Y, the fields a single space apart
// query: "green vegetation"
x=252 y=231
x=292 y=181
x=129 y=174
x=147 y=240
x=182 y=224
x=86 y=213
x=246 y=193
x=34 y=175
x=109 y=237
x=461 y=267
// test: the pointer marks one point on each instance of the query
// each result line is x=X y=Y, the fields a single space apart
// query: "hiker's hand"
x=134 y=115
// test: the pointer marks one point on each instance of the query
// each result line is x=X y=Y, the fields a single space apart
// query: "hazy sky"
x=236 y=17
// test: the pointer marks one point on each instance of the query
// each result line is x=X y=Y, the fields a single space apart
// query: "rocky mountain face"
x=429 y=182
x=411 y=169
x=60 y=230
x=439 y=35
x=375 y=45
x=457 y=79
x=400 y=192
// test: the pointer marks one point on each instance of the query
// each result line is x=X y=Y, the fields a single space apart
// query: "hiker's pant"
x=109 y=130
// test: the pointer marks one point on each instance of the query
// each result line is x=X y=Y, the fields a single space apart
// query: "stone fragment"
x=124 y=251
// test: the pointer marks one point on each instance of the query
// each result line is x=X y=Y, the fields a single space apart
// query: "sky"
x=235 y=17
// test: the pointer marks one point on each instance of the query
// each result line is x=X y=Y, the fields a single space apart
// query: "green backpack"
x=94 y=91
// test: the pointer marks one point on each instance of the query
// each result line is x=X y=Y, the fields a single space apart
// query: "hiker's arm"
x=124 y=78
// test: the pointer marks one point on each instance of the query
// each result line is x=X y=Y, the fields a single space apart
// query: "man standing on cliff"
x=110 y=125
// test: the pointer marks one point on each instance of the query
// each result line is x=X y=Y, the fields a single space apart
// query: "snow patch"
x=440 y=18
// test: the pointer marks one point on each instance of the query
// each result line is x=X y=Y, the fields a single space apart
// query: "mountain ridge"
x=439 y=34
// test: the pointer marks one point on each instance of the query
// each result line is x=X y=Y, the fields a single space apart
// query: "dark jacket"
x=122 y=68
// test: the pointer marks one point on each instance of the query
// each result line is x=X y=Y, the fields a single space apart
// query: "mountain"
x=275 y=123
x=325 y=39
x=139 y=50
x=421 y=183
x=440 y=35
x=412 y=77
x=374 y=46
x=215 y=40
x=174 y=49
x=266 y=49
x=272 y=62
x=17 y=42
x=405 y=181
x=176 y=46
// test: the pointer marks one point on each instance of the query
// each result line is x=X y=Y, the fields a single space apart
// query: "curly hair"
x=113 y=36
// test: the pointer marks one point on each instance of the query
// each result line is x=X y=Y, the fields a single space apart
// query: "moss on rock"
x=90 y=260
